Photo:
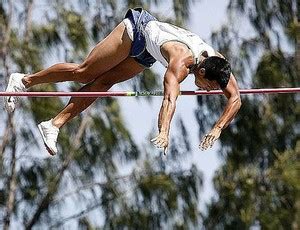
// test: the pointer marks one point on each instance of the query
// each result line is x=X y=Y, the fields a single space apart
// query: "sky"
x=141 y=117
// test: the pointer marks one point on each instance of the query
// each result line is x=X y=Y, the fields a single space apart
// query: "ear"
x=202 y=71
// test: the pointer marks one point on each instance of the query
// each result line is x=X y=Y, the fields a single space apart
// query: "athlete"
x=135 y=44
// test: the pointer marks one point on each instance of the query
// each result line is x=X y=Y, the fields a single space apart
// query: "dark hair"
x=217 y=69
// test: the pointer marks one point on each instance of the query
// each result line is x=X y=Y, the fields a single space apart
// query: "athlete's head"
x=213 y=72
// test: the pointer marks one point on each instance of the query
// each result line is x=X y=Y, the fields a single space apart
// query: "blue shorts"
x=139 y=19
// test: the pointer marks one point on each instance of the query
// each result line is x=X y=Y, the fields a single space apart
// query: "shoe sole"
x=44 y=140
x=5 y=101
x=8 y=86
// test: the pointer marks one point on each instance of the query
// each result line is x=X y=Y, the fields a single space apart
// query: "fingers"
x=154 y=139
x=203 y=144
x=207 y=142
x=165 y=151
x=211 y=140
x=160 y=142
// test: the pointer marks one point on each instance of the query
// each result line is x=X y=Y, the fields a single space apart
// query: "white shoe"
x=15 y=84
x=49 y=133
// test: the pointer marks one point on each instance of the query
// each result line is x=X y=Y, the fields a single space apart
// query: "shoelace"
x=50 y=133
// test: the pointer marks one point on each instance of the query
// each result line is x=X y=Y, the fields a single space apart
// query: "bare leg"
x=105 y=55
x=122 y=72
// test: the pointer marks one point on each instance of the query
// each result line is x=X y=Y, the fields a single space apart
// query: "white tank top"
x=157 y=33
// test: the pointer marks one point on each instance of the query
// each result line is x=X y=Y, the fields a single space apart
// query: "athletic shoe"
x=49 y=134
x=15 y=84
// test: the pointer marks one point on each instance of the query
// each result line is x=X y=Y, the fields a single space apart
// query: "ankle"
x=57 y=123
x=26 y=81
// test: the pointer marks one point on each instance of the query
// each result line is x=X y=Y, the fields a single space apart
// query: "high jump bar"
x=145 y=93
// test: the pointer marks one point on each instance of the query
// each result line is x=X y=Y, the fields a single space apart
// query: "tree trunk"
x=298 y=40
x=298 y=50
x=3 y=56
x=6 y=137
x=10 y=129
x=29 y=9
x=12 y=182
x=6 y=38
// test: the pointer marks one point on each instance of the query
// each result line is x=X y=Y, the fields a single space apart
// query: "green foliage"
x=160 y=201
x=76 y=31
x=249 y=195
x=274 y=70
x=181 y=10
x=258 y=183
x=46 y=35
x=265 y=15
x=26 y=56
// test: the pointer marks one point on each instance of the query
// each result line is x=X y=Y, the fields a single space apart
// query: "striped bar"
x=144 y=93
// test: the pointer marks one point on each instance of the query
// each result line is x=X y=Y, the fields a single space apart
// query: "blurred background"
x=107 y=175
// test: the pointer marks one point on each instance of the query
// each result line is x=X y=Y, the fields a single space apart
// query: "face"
x=204 y=83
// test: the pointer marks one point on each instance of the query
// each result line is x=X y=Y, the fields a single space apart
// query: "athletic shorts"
x=138 y=19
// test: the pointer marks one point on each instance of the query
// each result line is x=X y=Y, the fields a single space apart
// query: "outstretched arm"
x=233 y=105
x=175 y=73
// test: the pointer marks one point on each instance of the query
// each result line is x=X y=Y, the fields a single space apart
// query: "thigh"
x=126 y=70
x=108 y=53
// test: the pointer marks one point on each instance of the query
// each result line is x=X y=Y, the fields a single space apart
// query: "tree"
x=298 y=37
x=256 y=185
x=39 y=192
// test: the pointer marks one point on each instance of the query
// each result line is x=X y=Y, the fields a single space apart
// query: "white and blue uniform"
x=148 y=35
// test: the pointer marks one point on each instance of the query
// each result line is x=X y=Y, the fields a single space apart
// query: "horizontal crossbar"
x=144 y=93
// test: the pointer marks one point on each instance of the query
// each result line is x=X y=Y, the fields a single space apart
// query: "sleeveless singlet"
x=157 y=33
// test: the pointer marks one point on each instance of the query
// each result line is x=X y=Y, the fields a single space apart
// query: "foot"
x=49 y=134
x=15 y=84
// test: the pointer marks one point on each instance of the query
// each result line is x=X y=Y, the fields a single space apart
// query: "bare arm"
x=179 y=57
x=175 y=73
x=234 y=101
x=233 y=105
x=171 y=92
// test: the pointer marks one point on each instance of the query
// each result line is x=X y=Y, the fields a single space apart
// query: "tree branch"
x=6 y=39
x=29 y=8
x=6 y=136
x=12 y=183
x=83 y=212
x=298 y=40
x=88 y=186
x=53 y=186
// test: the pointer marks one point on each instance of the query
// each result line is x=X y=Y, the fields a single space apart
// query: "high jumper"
x=134 y=45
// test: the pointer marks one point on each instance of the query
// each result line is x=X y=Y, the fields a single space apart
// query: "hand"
x=161 y=141
x=210 y=138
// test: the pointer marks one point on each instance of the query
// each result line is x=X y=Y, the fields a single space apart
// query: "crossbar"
x=145 y=93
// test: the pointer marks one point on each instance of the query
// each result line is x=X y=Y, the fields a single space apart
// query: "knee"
x=106 y=85
x=81 y=74
x=101 y=85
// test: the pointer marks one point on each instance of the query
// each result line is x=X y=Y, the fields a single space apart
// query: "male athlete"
x=135 y=44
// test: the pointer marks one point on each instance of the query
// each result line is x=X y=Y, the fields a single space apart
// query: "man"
x=135 y=44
